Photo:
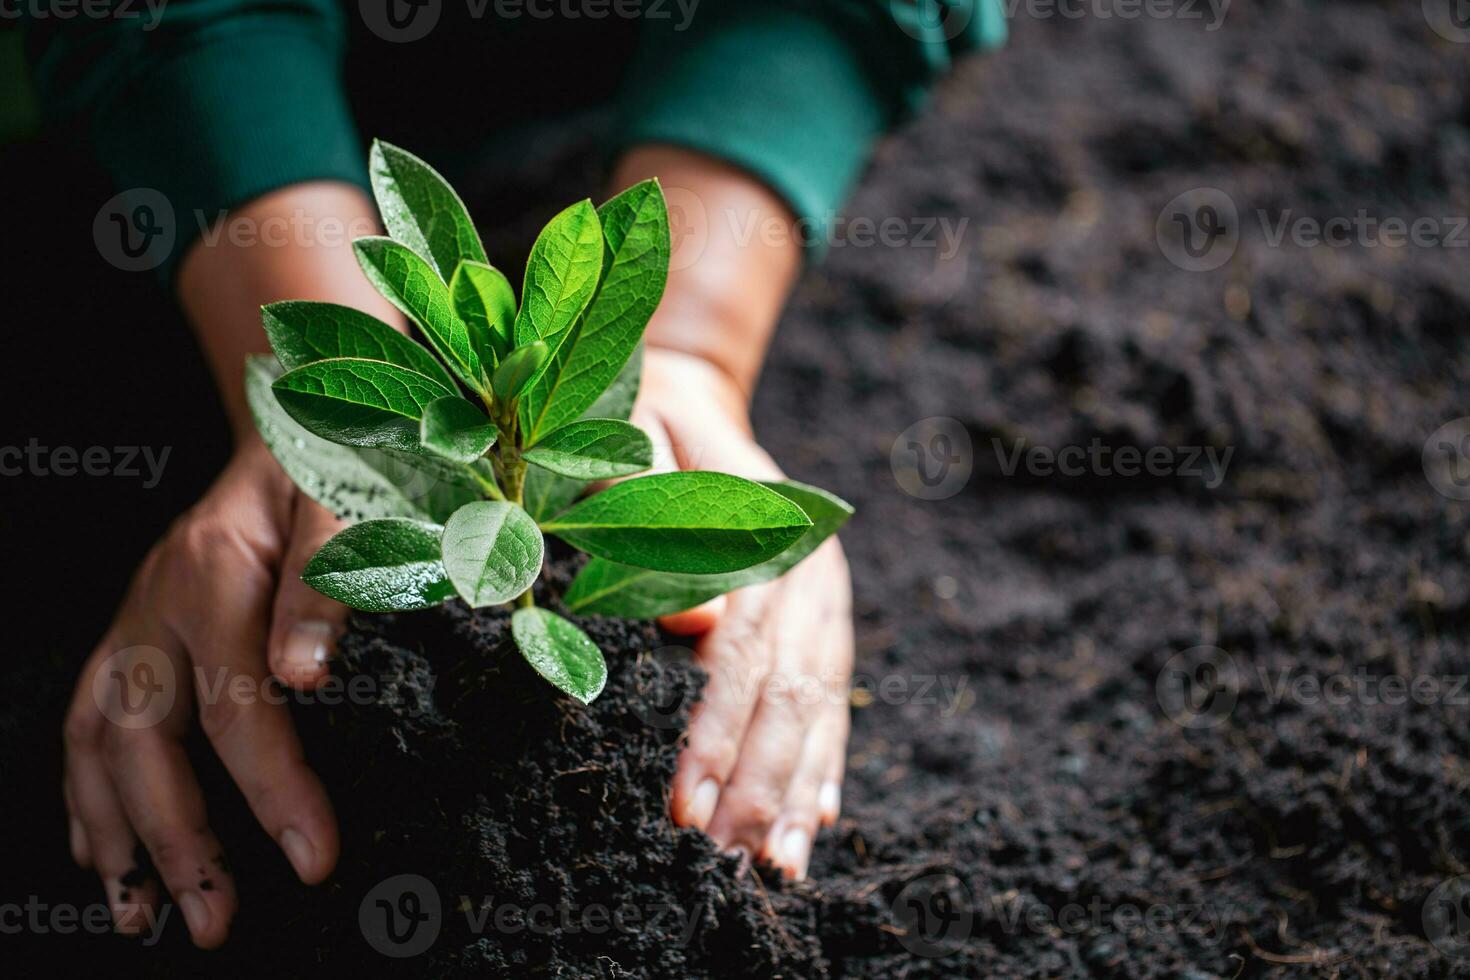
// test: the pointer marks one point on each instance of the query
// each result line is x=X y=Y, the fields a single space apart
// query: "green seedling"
x=454 y=457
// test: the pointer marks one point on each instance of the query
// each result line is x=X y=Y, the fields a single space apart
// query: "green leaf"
x=683 y=522
x=354 y=484
x=517 y=370
x=483 y=299
x=409 y=283
x=560 y=652
x=545 y=494
x=492 y=551
x=594 y=449
x=616 y=402
x=635 y=226
x=561 y=274
x=381 y=566
x=357 y=402
x=456 y=429
x=421 y=210
x=605 y=588
x=301 y=332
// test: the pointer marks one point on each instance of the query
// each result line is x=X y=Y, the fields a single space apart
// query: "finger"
x=99 y=824
x=790 y=700
x=829 y=797
x=697 y=621
x=245 y=718
x=76 y=833
x=736 y=655
x=789 y=844
x=164 y=804
x=756 y=794
x=837 y=633
x=304 y=623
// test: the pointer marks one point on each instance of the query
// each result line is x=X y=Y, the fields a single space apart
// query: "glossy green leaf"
x=357 y=402
x=545 y=494
x=561 y=274
x=517 y=370
x=594 y=449
x=492 y=551
x=409 y=283
x=694 y=522
x=381 y=566
x=483 y=299
x=456 y=429
x=301 y=332
x=421 y=210
x=354 y=484
x=606 y=588
x=635 y=226
x=560 y=652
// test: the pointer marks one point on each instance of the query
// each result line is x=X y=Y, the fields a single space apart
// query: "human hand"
x=766 y=746
x=217 y=600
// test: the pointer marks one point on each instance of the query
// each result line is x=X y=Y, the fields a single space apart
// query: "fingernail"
x=308 y=645
x=299 y=851
x=794 y=851
x=829 y=801
x=196 y=913
x=702 y=804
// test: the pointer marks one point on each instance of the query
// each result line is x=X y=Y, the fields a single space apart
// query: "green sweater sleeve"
x=215 y=103
x=796 y=91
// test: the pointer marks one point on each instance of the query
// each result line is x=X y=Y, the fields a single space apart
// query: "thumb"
x=697 y=621
x=304 y=624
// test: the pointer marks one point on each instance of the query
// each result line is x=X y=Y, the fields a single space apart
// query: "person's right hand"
x=216 y=608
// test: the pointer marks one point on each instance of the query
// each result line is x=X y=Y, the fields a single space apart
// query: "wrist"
x=726 y=286
x=293 y=243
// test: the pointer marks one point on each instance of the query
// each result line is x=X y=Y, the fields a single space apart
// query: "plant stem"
x=487 y=484
x=511 y=469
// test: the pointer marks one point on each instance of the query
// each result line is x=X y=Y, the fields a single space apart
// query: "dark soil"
x=1019 y=801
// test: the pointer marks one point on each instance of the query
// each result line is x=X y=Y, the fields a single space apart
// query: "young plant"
x=454 y=459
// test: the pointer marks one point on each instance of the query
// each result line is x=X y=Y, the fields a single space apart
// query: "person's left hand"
x=763 y=765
